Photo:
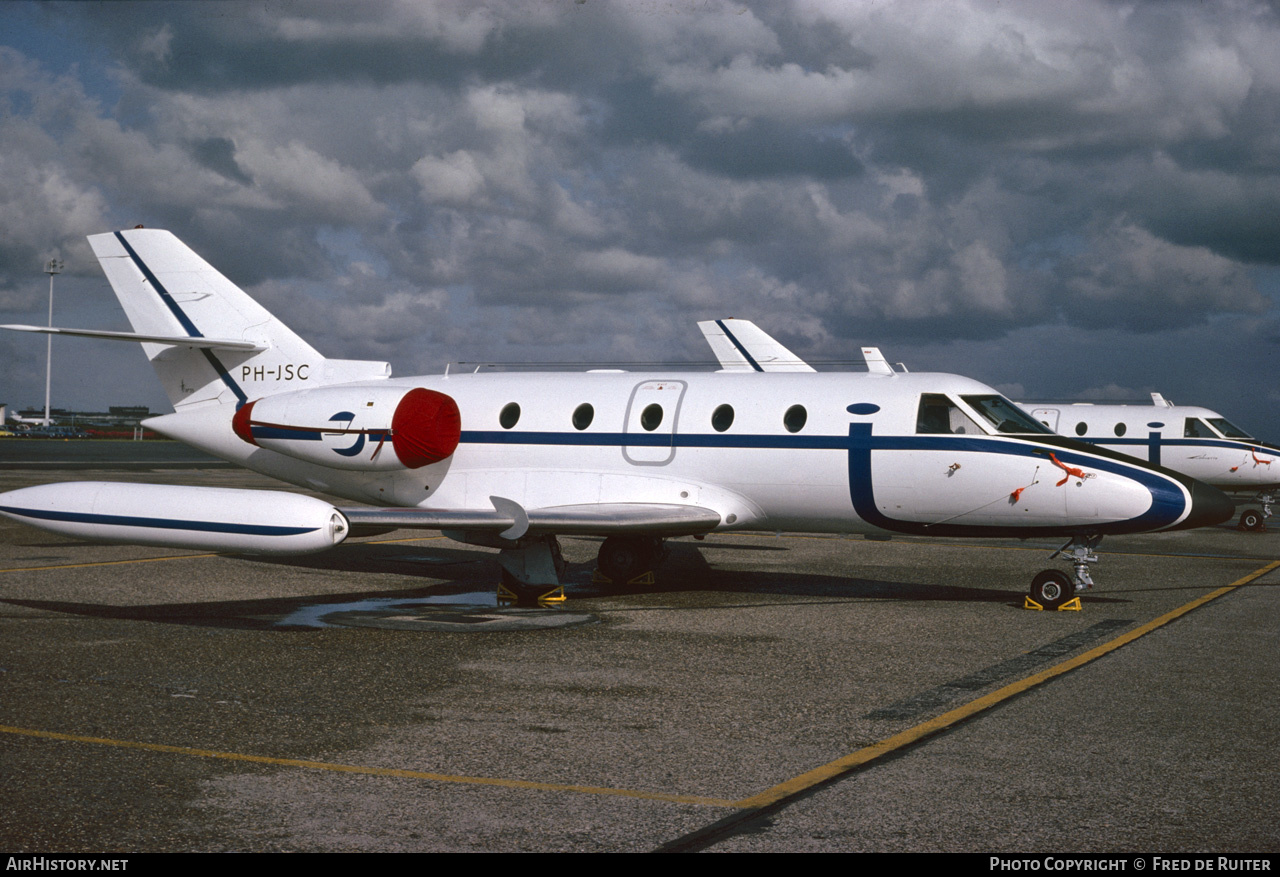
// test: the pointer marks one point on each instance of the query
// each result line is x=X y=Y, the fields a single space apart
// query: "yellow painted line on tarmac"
x=770 y=796
x=105 y=563
x=833 y=769
x=182 y=557
x=370 y=771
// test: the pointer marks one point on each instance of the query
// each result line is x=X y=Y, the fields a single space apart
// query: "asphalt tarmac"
x=766 y=694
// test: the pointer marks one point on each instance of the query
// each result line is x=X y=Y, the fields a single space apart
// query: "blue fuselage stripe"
x=1232 y=444
x=1168 y=502
x=312 y=434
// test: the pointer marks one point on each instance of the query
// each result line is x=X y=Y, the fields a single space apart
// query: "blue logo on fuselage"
x=359 y=443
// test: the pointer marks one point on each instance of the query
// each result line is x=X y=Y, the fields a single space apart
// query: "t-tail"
x=210 y=343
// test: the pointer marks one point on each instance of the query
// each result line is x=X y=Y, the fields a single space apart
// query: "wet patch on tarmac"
x=475 y=612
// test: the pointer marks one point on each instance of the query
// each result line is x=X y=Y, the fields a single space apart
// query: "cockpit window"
x=1195 y=428
x=1006 y=417
x=938 y=415
x=1228 y=429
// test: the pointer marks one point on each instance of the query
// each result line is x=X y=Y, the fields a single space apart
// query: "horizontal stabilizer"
x=742 y=346
x=180 y=340
x=601 y=519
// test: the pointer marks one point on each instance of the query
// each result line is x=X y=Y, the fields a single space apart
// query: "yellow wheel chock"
x=1072 y=605
x=550 y=596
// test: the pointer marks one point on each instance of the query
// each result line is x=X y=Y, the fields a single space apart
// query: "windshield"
x=1005 y=416
x=1228 y=429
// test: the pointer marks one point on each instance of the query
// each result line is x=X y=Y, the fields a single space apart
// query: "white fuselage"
x=856 y=461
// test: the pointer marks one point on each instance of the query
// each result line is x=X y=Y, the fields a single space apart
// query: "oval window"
x=1121 y=429
x=1081 y=429
x=795 y=418
x=510 y=415
x=583 y=415
x=651 y=416
x=722 y=418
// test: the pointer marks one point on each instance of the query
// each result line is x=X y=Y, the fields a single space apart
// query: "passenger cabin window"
x=1081 y=428
x=1121 y=429
x=795 y=418
x=509 y=415
x=1228 y=429
x=651 y=417
x=583 y=415
x=1196 y=429
x=1006 y=417
x=938 y=415
x=722 y=418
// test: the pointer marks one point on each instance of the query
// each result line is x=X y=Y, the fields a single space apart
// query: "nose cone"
x=1209 y=507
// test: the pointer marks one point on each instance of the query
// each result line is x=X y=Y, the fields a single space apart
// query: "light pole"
x=52 y=267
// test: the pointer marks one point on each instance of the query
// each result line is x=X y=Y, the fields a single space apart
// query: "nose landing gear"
x=1256 y=519
x=1053 y=589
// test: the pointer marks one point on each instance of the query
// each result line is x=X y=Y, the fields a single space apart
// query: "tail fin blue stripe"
x=723 y=328
x=184 y=321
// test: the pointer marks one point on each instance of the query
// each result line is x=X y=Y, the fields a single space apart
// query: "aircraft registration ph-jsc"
x=514 y=460
x=287 y=371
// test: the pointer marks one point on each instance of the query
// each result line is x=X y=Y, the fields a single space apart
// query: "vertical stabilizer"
x=742 y=346
x=168 y=291
x=876 y=363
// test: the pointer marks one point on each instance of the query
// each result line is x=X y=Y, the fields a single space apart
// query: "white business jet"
x=1194 y=441
x=513 y=460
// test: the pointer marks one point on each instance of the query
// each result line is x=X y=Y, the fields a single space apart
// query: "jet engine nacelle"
x=363 y=428
x=209 y=518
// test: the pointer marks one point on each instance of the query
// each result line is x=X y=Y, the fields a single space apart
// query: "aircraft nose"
x=1209 y=507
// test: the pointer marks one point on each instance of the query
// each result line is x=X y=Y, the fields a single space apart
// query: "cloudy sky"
x=1065 y=200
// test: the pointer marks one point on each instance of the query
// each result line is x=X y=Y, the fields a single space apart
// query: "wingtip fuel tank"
x=172 y=516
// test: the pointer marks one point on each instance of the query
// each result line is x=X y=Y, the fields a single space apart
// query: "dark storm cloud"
x=559 y=180
x=218 y=154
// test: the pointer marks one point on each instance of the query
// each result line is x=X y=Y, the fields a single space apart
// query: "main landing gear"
x=531 y=570
x=1053 y=588
x=623 y=559
x=533 y=567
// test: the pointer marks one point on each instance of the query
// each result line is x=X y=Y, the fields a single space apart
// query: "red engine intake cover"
x=425 y=427
x=242 y=421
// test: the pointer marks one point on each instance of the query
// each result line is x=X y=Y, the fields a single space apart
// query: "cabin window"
x=1121 y=429
x=1082 y=428
x=938 y=415
x=1006 y=417
x=509 y=415
x=722 y=418
x=795 y=418
x=651 y=417
x=583 y=415
x=1195 y=429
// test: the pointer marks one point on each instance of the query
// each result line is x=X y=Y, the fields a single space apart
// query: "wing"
x=742 y=346
x=510 y=520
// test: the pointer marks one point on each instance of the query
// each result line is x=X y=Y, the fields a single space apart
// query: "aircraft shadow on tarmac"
x=463 y=572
